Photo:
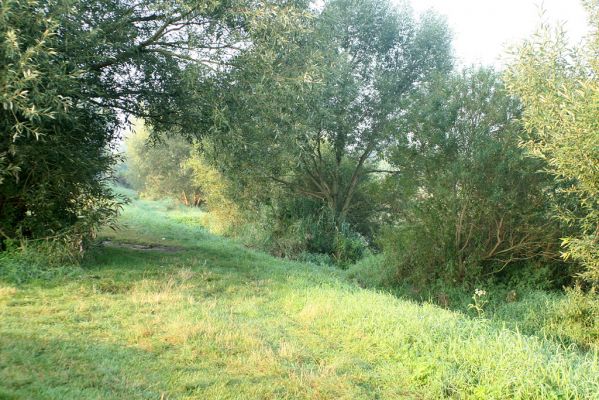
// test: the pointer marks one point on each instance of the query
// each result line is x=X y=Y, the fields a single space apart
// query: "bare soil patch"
x=142 y=247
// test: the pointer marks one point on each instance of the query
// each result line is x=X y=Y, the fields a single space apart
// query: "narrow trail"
x=141 y=247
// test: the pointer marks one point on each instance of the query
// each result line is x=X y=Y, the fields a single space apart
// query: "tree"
x=319 y=138
x=559 y=88
x=467 y=202
x=71 y=70
x=158 y=170
x=53 y=148
x=159 y=60
x=223 y=215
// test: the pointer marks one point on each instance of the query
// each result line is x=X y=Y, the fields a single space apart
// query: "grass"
x=570 y=319
x=214 y=320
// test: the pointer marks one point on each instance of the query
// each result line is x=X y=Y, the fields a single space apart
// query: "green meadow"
x=162 y=309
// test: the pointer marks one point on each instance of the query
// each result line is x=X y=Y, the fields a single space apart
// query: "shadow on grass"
x=37 y=367
x=217 y=265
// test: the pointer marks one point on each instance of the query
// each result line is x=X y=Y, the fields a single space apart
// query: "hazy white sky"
x=483 y=28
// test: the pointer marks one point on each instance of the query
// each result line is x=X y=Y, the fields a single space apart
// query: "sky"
x=483 y=28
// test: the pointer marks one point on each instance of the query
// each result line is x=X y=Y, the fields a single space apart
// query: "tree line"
x=316 y=132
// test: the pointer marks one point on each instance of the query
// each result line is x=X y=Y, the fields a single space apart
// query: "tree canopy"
x=465 y=189
x=337 y=128
x=322 y=137
x=73 y=72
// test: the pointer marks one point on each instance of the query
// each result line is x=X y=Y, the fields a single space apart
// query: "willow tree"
x=559 y=88
x=320 y=137
x=71 y=73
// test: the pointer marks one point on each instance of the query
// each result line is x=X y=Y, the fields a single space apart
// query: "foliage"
x=53 y=149
x=161 y=60
x=468 y=204
x=301 y=153
x=157 y=170
x=25 y=69
x=317 y=138
x=72 y=72
x=224 y=214
x=175 y=168
x=300 y=228
x=559 y=89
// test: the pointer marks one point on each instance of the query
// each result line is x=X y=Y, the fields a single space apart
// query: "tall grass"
x=569 y=318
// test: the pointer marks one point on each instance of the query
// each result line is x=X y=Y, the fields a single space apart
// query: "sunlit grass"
x=214 y=320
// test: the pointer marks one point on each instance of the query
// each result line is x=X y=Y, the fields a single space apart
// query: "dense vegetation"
x=384 y=147
x=559 y=89
x=73 y=72
x=340 y=136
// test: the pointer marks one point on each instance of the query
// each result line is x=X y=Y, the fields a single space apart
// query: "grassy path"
x=208 y=319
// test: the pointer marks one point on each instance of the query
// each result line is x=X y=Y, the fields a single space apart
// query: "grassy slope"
x=217 y=321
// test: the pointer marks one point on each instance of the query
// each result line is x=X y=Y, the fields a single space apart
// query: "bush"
x=54 y=159
x=373 y=272
x=41 y=259
x=294 y=228
x=350 y=246
x=223 y=216
x=558 y=85
x=469 y=203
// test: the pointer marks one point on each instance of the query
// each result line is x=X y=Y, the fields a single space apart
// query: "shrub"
x=469 y=204
x=55 y=163
x=293 y=228
x=350 y=246
x=217 y=196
